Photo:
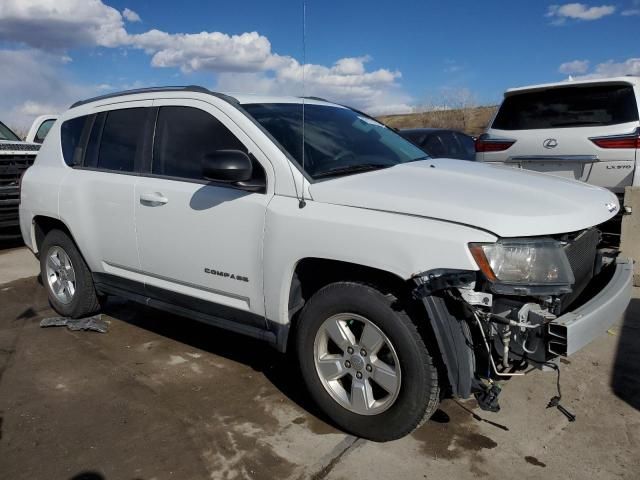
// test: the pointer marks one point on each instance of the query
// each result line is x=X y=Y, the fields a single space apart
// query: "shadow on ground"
x=10 y=242
x=280 y=369
x=625 y=378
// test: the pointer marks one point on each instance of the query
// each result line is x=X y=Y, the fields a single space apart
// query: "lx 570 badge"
x=231 y=276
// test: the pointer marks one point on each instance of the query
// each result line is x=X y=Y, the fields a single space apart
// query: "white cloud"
x=631 y=66
x=347 y=81
x=215 y=51
x=577 y=11
x=58 y=25
x=131 y=16
x=632 y=12
x=575 y=66
x=61 y=24
x=34 y=83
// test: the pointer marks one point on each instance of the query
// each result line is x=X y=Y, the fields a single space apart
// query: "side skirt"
x=241 y=322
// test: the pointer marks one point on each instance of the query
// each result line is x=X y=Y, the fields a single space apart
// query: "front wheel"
x=365 y=363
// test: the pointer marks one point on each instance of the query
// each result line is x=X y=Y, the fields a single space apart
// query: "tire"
x=79 y=301
x=417 y=391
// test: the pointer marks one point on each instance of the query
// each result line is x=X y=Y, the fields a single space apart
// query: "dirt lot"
x=160 y=397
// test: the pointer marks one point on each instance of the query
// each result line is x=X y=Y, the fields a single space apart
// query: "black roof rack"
x=187 y=88
x=316 y=98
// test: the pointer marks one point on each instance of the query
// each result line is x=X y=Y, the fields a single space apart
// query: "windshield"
x=7 y=134
x=337 y=140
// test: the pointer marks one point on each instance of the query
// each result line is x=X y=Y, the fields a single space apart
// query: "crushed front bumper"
x=573 y=330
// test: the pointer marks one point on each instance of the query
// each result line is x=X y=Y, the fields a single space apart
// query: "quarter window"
x=184 y=135
x=121 y=140
x=70 y=134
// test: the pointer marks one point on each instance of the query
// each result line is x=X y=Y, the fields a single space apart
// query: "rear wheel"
x=66 y=277
x=365 y=363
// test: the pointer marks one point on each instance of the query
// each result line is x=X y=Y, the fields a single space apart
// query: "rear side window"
x=121 y=139
x=568 y=107
x=184 y=135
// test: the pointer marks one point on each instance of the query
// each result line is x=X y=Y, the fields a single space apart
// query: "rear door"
x=97 y=194
x=555 y=130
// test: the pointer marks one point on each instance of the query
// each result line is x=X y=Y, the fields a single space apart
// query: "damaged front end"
x=532 y=300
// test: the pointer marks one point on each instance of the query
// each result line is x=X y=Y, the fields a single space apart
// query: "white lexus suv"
x=395 y=278
x=587 y=130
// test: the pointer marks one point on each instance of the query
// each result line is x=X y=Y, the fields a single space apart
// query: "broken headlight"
x=524 y=266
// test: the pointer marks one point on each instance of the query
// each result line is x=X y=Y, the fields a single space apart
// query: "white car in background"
x=585 y=130
x=40 y=127
x=15 y=157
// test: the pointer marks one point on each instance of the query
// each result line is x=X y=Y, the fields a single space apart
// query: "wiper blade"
x=363 y=167
x=425 y=157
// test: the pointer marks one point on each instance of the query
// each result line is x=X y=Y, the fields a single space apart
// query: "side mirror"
x=227 y=166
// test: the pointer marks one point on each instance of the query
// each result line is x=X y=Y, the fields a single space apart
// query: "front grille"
x=581 y=252
x=11 y=168
x=19 y=147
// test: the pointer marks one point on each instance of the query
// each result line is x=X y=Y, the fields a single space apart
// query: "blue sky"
x=381 y=56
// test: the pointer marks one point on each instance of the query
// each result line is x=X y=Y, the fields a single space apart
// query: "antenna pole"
x=302 y=203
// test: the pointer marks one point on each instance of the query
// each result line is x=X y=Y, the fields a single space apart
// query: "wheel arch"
x=41 y=225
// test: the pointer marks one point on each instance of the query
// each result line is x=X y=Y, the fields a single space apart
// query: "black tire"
x=85 y=299
x=419 y=393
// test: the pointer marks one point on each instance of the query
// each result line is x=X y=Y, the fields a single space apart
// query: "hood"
x=503 y=200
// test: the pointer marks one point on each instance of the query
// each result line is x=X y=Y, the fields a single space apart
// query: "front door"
x=200 y=243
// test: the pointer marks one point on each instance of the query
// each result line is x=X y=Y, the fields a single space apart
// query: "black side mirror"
x=227 y=166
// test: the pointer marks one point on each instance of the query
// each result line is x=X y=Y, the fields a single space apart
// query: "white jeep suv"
x=587 y=130
x=394 y=277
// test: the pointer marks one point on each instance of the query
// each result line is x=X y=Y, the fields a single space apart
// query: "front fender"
x=402 y=245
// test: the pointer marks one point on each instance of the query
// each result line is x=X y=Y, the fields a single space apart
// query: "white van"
x=586 y=130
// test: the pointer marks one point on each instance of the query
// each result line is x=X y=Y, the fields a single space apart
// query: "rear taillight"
x=489 y=144
x=631 y=140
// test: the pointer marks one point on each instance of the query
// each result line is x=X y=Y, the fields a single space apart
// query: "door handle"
x=153 y=199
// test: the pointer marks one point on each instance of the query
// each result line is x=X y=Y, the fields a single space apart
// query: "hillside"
x=470 y=120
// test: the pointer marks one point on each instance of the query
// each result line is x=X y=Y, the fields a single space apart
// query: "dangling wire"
x=302 y=203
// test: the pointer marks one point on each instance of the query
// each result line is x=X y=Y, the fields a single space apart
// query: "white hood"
x=503 y=200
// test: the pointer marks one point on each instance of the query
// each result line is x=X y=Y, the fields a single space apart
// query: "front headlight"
x=524 y=266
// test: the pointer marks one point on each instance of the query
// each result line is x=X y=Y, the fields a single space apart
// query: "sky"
x=382 y=57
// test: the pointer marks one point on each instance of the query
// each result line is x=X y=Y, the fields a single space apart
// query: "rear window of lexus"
x=568 y=107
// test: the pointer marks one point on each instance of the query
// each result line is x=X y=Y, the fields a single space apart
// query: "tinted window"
x=468 y=145
x=336 y=139
x=43 y=130
x=415 y=137
x=70 y=134
x=93 y=145
x=433 y=146
x=568 y=107
x=121 y=139
x=184 y=135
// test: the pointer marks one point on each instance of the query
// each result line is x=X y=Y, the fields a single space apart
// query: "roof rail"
x=187 y=88
x=320 y=99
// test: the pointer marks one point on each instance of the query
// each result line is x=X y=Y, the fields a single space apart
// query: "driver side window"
x=184 y=135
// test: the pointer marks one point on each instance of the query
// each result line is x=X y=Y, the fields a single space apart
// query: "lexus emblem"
x=550 y=143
